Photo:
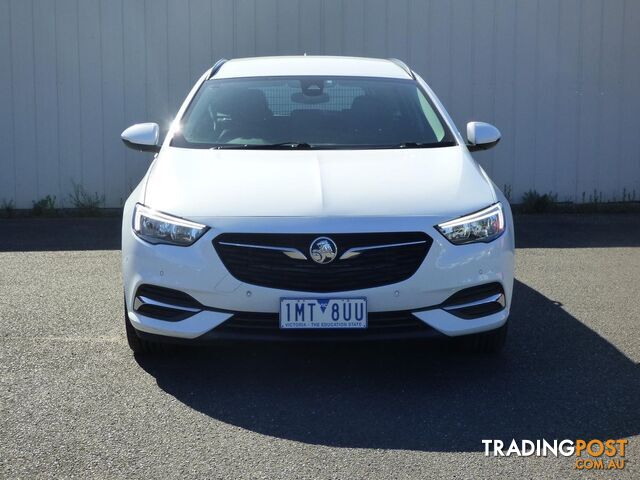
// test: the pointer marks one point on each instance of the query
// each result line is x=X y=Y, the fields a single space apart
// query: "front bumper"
x=197 y=271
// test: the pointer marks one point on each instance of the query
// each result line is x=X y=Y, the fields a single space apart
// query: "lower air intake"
x=165 y=303
x=476 y=302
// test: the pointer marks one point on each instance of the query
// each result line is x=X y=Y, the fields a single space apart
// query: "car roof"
x=312 y=65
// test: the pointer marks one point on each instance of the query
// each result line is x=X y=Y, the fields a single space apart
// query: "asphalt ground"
x=75 y=403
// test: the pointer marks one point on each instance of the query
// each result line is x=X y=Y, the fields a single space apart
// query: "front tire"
x=137 y=344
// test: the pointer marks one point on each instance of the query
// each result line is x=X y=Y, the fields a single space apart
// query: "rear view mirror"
x=143 y=137
x=481 y=136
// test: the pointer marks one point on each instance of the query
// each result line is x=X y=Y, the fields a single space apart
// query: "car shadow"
x=555 y=379
x=60 y=234
x=563 y=230
x=532 y=231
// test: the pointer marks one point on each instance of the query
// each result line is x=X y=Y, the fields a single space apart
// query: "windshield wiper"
x=307 y=146
x=263 y=146
x=300 y=145
x=423 y=144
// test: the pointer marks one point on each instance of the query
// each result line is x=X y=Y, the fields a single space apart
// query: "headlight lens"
x=157 y=227
x=483 y=226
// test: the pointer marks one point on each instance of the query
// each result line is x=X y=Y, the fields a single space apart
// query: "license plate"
x=302 y=313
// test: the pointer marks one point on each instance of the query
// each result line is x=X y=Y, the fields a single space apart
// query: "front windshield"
x=311 y=112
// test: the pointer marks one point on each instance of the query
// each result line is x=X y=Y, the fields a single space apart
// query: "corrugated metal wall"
x=560 y=78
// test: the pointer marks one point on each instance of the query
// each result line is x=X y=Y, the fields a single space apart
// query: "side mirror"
x=143 y=137
x=481 y=136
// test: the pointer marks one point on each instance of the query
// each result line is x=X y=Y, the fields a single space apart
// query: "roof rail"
x=403 y=66
x=216 y=67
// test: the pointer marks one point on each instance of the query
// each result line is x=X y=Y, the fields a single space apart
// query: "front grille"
x=267 y=325
x=270 y=267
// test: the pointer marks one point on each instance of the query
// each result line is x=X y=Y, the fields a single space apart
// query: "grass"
x=80 y=204
x=534 y=202
x=45 y=207
x=7 y=208
x=86 y=204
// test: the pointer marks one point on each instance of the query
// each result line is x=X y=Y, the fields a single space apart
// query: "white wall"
x=560 y=78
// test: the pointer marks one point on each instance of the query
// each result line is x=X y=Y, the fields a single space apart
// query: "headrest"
x=246 y=105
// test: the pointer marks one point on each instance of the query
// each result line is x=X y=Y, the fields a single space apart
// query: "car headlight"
x=483 y=226
x=157 y=227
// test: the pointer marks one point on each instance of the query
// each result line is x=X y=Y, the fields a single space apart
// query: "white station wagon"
x=315 y=198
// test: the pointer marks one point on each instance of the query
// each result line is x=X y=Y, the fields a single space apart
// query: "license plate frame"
x=312 y=315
